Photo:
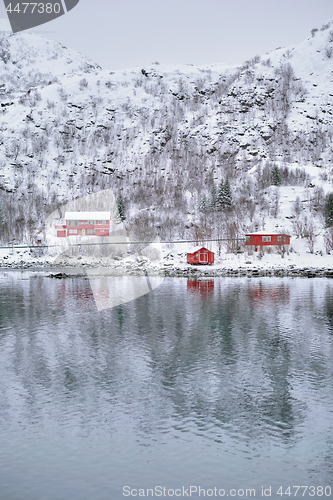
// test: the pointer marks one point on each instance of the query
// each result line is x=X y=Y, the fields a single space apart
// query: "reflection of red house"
x=85 y=224
x=259 y=294
x=264 y=239
x=200 y=255
x=69 y=290
x=201 y=286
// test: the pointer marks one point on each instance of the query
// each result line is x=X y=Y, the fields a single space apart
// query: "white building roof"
x=87 y=215
x=266 y=233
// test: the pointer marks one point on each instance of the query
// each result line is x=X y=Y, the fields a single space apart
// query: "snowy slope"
x=27 y=60
x=165 y=136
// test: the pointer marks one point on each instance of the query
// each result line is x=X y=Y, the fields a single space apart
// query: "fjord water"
x=224 y=382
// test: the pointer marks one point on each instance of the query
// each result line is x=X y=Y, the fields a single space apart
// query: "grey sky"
x=127 y=33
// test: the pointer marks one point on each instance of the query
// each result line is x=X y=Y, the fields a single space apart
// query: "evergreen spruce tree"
x=228 y=201
x=220 y=197
x=204 y=204
x=214 y=199
x=276 y=176
x=121 y=208
x=329 y=210
x=224 y=196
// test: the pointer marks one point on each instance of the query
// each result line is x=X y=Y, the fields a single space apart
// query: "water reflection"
x=329 y=306
x=260 y=293
x=111 y=291
x=201 y=286
x=248 y=365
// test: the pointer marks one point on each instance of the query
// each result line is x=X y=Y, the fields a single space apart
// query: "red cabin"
x=200 y=255
x=85 y=224
x=265 y=239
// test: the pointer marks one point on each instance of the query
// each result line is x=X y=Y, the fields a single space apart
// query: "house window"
x=197 y=256
x=73 y=231
x=248 y=238
x=91 y=231
x=264 y=238
x=103 y=221
x=268 y=238
x=279 y=238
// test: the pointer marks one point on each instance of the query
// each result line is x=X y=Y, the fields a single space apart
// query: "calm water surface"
x=224 y=383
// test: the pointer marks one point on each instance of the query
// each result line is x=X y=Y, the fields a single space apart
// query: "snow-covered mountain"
x=166 y=137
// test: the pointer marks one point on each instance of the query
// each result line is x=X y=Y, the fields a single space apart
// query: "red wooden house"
x=266 y=239
x=200 y=255
x=85 y=224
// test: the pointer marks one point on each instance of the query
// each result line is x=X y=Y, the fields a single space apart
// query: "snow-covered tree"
x=276 y=176
x=121 y=208
x=329 y=210
x=224 y=196
x=204 y=204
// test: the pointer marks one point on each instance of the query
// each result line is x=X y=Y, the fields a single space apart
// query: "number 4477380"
x=42 y=8
x=319 y=491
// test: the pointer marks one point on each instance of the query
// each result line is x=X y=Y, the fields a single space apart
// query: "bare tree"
x=310 y=235
x=275 y=200
x=329 y=239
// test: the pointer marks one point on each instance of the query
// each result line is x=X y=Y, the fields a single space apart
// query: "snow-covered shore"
x=173 y=263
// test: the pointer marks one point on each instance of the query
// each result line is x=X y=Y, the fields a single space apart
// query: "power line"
x=121 y=243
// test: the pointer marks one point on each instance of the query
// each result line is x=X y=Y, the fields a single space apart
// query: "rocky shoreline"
x=253 y=273
x=62 y=270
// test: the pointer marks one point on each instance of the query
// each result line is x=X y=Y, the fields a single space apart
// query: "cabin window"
x=268 y=238
x=264 y=238
x=197 y=256
x=279 y=238
x=248 y=238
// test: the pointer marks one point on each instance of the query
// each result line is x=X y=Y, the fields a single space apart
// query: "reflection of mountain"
x=250 y=384
x=329 y=307
x=222 y=365
x=223 y=373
